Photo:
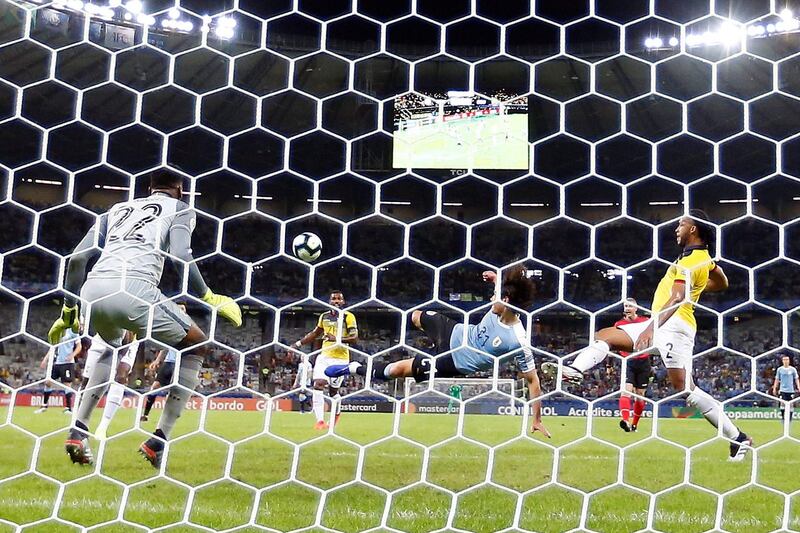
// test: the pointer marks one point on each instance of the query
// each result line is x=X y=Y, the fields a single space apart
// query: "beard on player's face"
x=682 y=233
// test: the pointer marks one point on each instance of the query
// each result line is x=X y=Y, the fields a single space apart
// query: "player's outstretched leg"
x=606 y=340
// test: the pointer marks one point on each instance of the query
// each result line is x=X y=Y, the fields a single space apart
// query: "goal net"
x=488 y=393
x=425 y=142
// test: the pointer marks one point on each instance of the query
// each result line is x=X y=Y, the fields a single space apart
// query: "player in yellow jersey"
x=671 y=331
x=333 y=353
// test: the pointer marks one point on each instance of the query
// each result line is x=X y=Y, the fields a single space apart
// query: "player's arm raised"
x=717 y=280
x=76 y=273
x=180 y=246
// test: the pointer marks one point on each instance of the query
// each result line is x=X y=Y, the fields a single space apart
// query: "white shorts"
x=99 y=347
x=674 y=341
x=324 y=362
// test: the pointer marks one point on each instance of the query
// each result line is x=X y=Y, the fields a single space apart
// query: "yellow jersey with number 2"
x=692 y=267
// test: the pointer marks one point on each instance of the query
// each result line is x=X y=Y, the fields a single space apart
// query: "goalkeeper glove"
x=68 y=319
x=225 y=306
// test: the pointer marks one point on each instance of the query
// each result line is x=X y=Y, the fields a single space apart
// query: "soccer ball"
x=307 y=246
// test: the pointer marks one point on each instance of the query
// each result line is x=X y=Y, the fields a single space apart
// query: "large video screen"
x=460 y=130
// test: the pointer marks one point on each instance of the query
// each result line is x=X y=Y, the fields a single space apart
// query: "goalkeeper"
x=455 y=394
x=121 y=293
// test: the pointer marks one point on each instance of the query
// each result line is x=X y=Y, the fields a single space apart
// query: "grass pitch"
x=236 y=475
x=489 y=142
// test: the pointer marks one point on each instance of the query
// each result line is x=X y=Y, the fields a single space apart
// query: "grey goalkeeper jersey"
x=135 y=235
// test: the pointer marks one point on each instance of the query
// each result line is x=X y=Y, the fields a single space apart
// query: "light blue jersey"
x=172 y=355
x=487 y=341
x=64 y=350
x=787 y=377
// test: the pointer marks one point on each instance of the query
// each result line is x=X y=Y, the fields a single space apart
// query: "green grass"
x=491 y=479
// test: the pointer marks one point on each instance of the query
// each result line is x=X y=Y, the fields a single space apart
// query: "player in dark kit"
x=637 y=374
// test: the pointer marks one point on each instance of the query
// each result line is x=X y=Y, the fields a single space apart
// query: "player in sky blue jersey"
x=786 y=384
x=63 y=369
x=471 y=348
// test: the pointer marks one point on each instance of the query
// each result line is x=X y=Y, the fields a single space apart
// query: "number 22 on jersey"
x=129 y=222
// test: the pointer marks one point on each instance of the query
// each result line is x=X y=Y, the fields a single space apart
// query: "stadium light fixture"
x=249 y=197
x=42 y=182
x=134 y=6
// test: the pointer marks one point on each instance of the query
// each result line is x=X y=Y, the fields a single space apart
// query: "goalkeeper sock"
x=591 y=356
x=638 y=409
x=318 y=405
x=176 y=400
x=95 y=388
x=625 y=407
x=711 y=409
x=151 y=399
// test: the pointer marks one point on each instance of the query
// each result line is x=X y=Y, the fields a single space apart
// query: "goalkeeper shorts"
x=111 y=310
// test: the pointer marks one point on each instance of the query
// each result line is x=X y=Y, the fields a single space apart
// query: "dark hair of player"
x=161 y=179
x=704 y=230
x=518 y=287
